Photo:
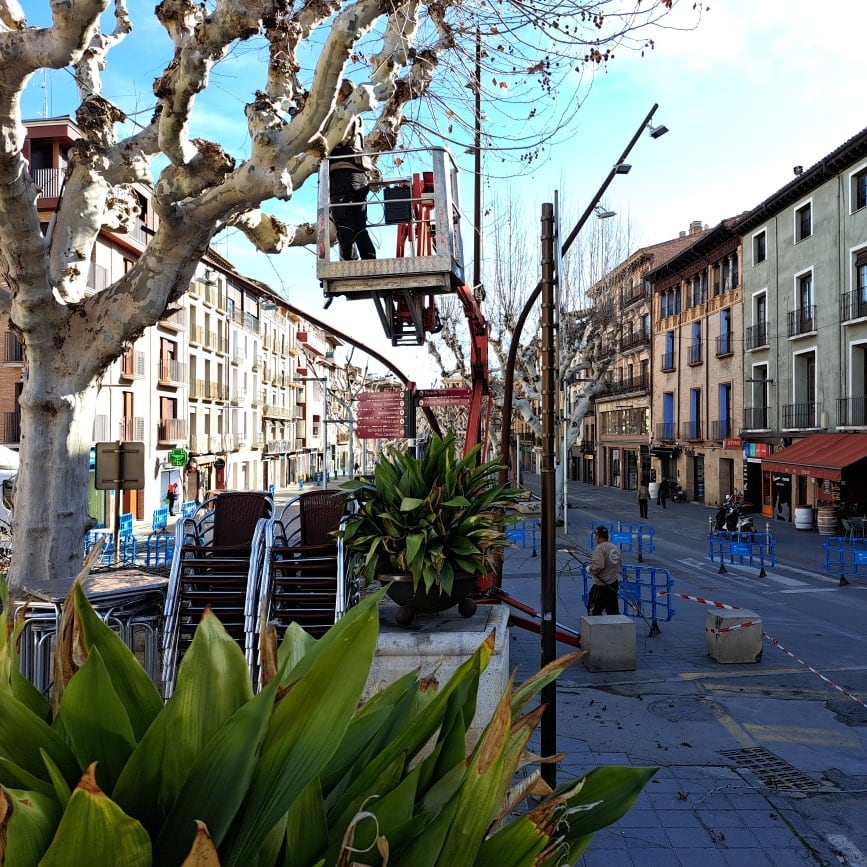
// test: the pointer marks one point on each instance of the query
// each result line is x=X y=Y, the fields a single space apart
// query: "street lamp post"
x=548 y=628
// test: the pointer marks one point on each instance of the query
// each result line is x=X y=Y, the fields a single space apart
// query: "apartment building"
x=697 y=351
x=805 y=296
x=615 y=448
x=211 y=389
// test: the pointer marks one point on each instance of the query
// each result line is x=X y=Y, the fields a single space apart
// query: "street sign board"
x=445 y=397
x=381 y=415
x=119 y=466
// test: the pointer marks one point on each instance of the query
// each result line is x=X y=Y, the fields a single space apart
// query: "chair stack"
x=216 y=564
x=304 y=570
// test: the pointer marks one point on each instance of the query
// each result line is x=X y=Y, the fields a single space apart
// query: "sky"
x=757 y=89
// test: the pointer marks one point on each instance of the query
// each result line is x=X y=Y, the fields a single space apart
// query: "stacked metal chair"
x=304 y=572
x=216 y=563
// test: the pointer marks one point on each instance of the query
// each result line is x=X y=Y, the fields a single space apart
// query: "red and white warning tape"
x=736 y=626
x=813 y=670
x=773 y=641
x=699 y=600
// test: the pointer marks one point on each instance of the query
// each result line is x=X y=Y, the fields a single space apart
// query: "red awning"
x=823 y=455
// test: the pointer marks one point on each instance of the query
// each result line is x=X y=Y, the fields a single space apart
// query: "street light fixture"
x=657 y=131
x=604 y=213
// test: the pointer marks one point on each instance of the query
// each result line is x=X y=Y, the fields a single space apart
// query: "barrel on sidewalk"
x=827 y=521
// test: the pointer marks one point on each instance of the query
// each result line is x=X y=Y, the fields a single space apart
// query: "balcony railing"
x=723 y=345
x=852 y=411
x=853 y=305
x=269 y=410
x=690 y=430
x=50 y=181
x=14 y=349
x=665 y=430
x=11 y=427
x=667 y=361
x=633 y=295
x=801 y=321
x=132 y=429
x=799 y=415
x=170 y=430
x=176 y=321
x=693 y=353
x=172 y=372
x=631 y=383
x=756 y=418
x=721 y=429
x=132 y=364
x=756 y=336
x=239 y=397
x=634 y=341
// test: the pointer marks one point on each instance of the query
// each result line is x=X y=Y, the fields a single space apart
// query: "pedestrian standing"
x=662 y=496
x=349 y=170
x=643 y=499
x=605 y=569
x=172 y=496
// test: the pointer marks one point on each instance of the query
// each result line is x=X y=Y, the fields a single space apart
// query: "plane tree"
x=417 y=67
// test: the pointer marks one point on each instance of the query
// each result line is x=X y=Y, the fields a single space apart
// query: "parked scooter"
x=734 y=515
x=679 y=495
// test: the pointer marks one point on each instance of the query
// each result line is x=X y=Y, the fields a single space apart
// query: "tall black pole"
x=549 y=565
x=477 y=170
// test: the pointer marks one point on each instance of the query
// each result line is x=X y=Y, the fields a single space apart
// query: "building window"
x=724 y=342
x=668 y=355
x=760 y=251
x=859 y=190
x=695 y=345
x=803 y=222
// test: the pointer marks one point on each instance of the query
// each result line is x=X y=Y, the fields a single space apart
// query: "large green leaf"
x=95 y=720
x=218 y=780
x=28 y=826
x=573 y=812
x=12 y=682
x=307 y=726
x=95 y=832
x=213 y=682
x=131 y=682
x=23 y=735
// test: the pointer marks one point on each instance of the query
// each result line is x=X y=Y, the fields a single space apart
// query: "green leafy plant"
x=302 y=773
x=433 y=517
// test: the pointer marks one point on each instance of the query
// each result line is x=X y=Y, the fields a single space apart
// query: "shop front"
x=824 y=471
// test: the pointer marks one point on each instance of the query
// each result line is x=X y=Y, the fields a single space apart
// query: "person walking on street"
x=643 y=498
x=605 y=569
x=662 y=496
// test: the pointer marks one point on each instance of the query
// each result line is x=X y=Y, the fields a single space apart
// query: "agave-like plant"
x=434 y=516
x=302 y=773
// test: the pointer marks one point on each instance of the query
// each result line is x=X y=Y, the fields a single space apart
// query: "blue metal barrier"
x=844 y=554
x=755 y=548
x=631 y=538
x=524 y=534
x=641 y=591
x=159 y=549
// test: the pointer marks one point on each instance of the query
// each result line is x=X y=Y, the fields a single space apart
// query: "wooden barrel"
x=827 y=521
x=803 y=517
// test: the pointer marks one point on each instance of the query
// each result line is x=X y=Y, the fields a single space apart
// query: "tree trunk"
x=51 y=495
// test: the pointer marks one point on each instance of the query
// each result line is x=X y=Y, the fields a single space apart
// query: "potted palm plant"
x=427 y=526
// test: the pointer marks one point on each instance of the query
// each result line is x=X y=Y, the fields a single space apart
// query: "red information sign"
x=380 y=415
x=445 y=397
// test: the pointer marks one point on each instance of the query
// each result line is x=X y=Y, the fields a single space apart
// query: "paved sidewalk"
x=702 y=807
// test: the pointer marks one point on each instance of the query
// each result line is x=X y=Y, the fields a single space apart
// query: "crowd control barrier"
x=645 y=591
x=524 y=534
x=632 y=538
x=845 y=555
x=752 y=548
